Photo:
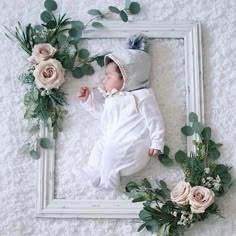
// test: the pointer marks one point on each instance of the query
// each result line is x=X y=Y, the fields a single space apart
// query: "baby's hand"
x=83 y=94
x=154 y=152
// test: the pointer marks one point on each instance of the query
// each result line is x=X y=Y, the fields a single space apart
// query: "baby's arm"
x=149 y=108
x=92 y=101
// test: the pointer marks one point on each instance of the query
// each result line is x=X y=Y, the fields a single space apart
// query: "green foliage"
x=50 y=5
x=159 y=213
x=45 y=143
x=134 y=8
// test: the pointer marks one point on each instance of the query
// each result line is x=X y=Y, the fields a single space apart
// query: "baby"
x=131 y=123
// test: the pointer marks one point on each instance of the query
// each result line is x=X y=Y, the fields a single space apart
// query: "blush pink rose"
x=49 y=74
x=200 y=198
x=42 y=52
x=180 y=193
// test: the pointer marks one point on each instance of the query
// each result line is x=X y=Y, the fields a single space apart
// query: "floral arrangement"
x=53 y=48
x=172 y=212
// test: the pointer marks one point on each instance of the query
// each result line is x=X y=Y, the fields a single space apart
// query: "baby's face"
x=112 y=79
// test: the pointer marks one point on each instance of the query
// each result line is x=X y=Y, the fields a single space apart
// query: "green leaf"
x=39 y=28
x=114 y=9
x=45 y=143
x=61 y=38
x=152 y=225
x=97 y=24
x=146 y=183
x=130 y=186
x=34 y=129
x=83 y=53
x=59 y=124
x=198 y=127
x=94 y=12
x=76 y=24
x=134 y=8
x=75 y=33
x=52 y=24
x=165 y=160
x=77 y=73
x=34 y=154
x=187 y=130
x=69 y=63
x=213 y=154
x=166 y=150
x=46 y=16
x=180 y=156
x=100 y=60
x=123 y=16
x=225 y=178
x=193 y=117
x=50 y=5
x=206 y=133
x=87 y=69
x=145 y=215
x=141 y=227
x=55 y=132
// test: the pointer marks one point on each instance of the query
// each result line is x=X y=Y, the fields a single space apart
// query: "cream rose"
x=180 y=193
x=200 y=198
x=42 y=52
x=49 y=74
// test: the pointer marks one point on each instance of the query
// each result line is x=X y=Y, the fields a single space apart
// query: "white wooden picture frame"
x=47 y=204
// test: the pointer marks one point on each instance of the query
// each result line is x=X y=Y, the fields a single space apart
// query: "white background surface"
x=18 y=172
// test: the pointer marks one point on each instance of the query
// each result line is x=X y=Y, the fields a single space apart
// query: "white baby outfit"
x=131 y=122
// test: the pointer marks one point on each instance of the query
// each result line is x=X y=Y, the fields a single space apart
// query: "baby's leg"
x=92 y=169
x=111 y=160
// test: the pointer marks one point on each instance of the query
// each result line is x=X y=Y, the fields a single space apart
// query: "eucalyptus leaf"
x=77 y=23
x=61 y=38
x=34 y=154
x=165 y=160
x=94 y=12
x=206 y=133
x=193 y=117
x=50 y=5
x=75 y=32
x=69 y=63
x=97 y=24
x=134 y=8
x=45 y=143
x=187 y=130
x=46 y=16
x=123 y=16
x=166 y=150
x=87 y=69
x=83 y=53
x=213 y=154
x=146 y=183
x=55 y=132
x=100 y=60
x=145 y=215
x=180 y=156
x=78 y=73
x=114 y=9
x=36 y=95
x=198 y=127
x=39 y=28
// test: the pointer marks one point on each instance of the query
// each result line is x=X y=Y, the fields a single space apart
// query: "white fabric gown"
x=131 y=124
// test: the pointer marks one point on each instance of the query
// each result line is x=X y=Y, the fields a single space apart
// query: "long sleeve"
x=149 y=108
x=95 y=103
